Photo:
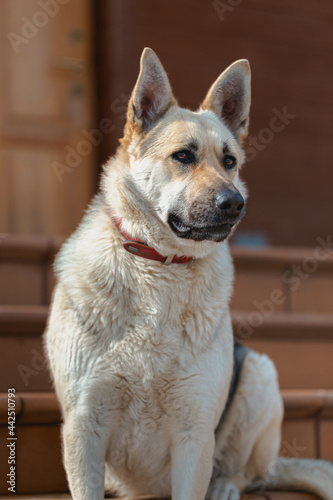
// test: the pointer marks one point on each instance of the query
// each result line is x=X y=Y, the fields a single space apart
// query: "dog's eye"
x=185 y=156
x=229 y=162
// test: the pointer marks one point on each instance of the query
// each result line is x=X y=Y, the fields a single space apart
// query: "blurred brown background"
x=67 y=69
x=69 y=64
x=290 y=47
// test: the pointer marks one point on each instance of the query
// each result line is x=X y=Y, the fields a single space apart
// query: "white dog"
x=139 y=338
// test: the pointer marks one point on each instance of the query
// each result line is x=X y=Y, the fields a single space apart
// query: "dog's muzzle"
x=213 y=223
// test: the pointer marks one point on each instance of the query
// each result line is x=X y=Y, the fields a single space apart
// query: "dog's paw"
x=223 y=489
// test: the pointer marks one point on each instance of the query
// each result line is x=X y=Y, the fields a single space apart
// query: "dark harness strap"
x=240 y=353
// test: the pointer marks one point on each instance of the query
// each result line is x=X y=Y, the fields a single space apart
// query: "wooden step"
x=38 y=448
x=300 y=345
x=307 y=433
x=22 y=320
x=26 y=275
x=23 y=366
x=43 y=407
x=253 y=496
x=303 y=276
x=280 y=496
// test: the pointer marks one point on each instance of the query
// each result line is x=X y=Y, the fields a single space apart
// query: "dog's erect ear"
x=152 y=94
x=230 y=97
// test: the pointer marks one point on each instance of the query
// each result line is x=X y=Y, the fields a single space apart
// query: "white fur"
x=139 y=368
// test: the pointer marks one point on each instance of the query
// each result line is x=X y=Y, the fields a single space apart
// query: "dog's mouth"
x=218 y=232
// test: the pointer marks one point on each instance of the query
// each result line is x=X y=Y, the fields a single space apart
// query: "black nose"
x=231 y=203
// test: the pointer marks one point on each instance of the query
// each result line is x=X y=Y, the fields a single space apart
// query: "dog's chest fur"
x=153 y=343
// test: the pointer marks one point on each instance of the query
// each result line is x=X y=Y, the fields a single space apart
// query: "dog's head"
x=180 y=169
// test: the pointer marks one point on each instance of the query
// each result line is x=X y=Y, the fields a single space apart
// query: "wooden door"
x=47 y=151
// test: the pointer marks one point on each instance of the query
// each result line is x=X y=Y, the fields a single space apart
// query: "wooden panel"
x=314 y=294
x=289 y=45
x=326 y=439
x=259 y=291
x=48 y=460
x=26 y=269
x=299 y=439
x=4 y=467
x=32 y=98
x=24 y=365
x=4 y=196
x=280 y=495
x=38 y=460
x=50 y=283
x=51 y=59
x=301 y=365
x=47 y=114
x=39 y=203
x=21 y=283
x=286 y=290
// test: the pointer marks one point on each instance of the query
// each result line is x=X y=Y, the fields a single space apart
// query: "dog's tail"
x=312 y=476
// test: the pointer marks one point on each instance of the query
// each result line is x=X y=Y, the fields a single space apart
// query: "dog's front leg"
x=84 y=458
x=192 y=459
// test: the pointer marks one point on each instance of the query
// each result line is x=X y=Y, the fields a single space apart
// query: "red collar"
x=141 y=249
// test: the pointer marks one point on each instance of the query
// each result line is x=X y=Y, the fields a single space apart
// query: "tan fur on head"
x=154 y=185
